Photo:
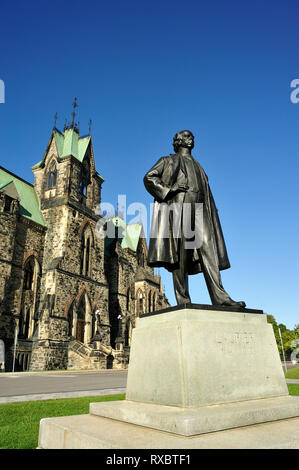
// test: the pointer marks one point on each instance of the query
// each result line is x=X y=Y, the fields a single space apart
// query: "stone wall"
x=20 y=238
x=49 y=355
x=8 y=224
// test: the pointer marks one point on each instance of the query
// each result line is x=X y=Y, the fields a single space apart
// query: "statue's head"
x=183 y=139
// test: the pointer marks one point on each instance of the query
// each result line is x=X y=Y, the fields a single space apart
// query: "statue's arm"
x=153 y=182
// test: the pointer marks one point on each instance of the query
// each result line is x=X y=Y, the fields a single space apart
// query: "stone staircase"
x=81 y=356
x=80 y=348
x=84 y=357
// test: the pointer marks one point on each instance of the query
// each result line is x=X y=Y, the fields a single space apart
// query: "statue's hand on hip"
x=179 y=188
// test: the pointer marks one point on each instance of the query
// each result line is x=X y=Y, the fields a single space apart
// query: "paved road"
x=26 y=386
x=45 y=385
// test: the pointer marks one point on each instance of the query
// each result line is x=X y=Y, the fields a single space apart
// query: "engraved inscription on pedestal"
x=228 y=343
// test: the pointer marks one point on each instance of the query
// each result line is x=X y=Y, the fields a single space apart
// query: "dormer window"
x=7 y=204
x=52 y=176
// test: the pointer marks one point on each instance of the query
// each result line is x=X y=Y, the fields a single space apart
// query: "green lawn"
x=19 y=422
x=293 y=389
x=292 y=373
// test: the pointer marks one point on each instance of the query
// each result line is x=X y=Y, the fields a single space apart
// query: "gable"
x=29 y=206
x=10 y=190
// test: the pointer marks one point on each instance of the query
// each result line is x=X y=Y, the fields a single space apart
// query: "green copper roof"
x=132 y=237
x=70 y=143
x=128 y=234
x=36 y=165
x=29 y=204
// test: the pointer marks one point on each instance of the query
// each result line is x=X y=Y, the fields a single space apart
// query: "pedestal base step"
x=205 y=419
x=93 y=432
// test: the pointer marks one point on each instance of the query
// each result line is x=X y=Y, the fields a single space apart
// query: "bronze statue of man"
x=178 y=181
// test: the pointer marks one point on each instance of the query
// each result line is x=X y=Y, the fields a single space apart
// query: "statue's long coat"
x=164 y=252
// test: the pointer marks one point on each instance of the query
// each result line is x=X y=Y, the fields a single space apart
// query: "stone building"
x=68 y=297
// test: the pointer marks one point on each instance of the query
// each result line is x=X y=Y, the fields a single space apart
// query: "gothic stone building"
x=70 y=297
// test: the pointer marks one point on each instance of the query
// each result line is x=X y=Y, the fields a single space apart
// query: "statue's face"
x=186 y=139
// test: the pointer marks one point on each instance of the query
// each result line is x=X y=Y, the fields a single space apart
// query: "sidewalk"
x=62 y=372
x=59 y=395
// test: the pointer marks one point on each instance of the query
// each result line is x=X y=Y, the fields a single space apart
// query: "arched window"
x=80 y=330
x=128 y=333
x=154 y=302
x=52 y=176
x=139 y=302
x=85 y=252
x=22 y=323
x=95 y=322
x=87 y=256
x=81 y=321
x=28 y=275
x=84 y=178
x=70 y=319
x=83 y=186
x=128 y=300
x=26 y=324
x=28 y=300
x=150 y=301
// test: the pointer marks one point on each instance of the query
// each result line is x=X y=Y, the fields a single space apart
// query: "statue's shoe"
x=233 y=303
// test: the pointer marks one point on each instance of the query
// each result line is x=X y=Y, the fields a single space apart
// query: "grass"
x=19 y=422
x=293 y=389
x=292 y=373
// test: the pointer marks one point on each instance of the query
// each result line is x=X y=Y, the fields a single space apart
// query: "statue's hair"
x=177 y=139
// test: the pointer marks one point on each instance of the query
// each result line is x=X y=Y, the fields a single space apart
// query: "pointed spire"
x=75 y=105
x=55 y=119
x=72 y=124
x=89 y=128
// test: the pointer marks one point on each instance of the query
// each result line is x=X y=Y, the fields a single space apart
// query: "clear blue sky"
x=143 y=70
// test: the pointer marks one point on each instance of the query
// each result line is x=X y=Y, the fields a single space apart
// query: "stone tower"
x=73 y=282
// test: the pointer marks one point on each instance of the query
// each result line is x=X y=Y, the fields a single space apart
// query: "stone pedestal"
x=192 y=358
x=197 y=370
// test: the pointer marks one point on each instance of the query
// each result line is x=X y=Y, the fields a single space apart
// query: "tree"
x=287 y=336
